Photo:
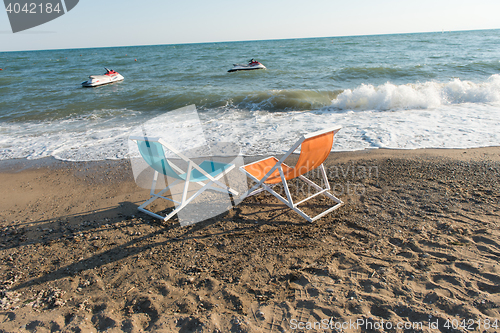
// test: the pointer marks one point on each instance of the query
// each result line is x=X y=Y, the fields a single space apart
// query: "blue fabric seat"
x=210 y=167
x=207 y=174
x=154 y=155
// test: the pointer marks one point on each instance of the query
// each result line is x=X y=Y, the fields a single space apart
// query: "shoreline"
x=21 y=164
x=417 y=239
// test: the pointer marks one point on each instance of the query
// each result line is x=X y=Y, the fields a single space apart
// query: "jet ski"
x=98 y=80
x=252 y=64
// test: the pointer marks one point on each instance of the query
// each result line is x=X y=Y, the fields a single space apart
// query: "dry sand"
x=417 y=242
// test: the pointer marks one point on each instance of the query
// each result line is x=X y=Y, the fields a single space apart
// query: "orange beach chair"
x=269 y=172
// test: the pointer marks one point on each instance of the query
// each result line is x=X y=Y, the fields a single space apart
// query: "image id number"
x=32 y=8
x=471 y=324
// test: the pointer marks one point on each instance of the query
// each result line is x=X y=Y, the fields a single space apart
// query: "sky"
x=104 y=23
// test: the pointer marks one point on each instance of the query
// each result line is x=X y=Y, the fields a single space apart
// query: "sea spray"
x=418 y=95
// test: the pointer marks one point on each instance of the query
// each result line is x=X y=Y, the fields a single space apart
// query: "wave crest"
x=418 y=96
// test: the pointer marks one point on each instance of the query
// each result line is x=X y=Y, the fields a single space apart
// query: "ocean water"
x=439 y=90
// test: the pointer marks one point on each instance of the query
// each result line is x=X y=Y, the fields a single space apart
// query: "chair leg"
x=321 y=191
x=257 y=191
x=159 y=195
x=289 y=201
x=186 y=183
x=172 y=213
x=150 y=213
x=185 y=200
x=285 y=186
x=253 y=190
x=224 y=186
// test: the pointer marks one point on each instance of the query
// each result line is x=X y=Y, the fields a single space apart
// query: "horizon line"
x=250 y=40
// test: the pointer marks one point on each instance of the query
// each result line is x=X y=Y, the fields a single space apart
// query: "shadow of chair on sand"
x=94 y=239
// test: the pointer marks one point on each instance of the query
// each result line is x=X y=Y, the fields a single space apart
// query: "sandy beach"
x=416 y=246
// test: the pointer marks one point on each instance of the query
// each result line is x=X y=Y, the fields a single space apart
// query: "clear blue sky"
x=97 y=23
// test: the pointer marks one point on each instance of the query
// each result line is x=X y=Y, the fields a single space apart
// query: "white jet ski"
x=252 y=64
x=98 y=80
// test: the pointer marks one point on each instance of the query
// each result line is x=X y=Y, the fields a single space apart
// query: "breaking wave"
x=419 y=95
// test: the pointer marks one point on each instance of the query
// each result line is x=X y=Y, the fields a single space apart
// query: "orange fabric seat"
x=266 y=173
x=314 y=151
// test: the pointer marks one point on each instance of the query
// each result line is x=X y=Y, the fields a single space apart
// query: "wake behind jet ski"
x=98 y=80
x=252 y=64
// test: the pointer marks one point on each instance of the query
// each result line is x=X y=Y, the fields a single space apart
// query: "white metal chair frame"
x=191 y=165
x=289 y=200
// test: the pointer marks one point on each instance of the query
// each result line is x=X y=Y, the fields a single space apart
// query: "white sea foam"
x=457 y=114
x=84 y=138
x=418 y=96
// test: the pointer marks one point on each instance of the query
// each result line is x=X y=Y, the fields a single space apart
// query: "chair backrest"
x=313 y=152
x=152 y=152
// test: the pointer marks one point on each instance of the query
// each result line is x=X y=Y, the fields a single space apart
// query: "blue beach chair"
x=206 y=174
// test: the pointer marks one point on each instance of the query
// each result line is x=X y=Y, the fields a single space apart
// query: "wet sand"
x=417 y=242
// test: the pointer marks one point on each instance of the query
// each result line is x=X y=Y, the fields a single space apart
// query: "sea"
x=401 y=91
